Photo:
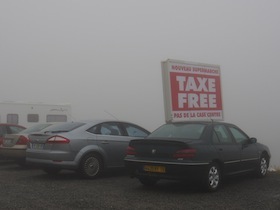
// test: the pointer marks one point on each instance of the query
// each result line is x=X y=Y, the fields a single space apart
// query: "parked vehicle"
x=8 y=129
x=14 y=145
x=203 y=151
x=88 y=147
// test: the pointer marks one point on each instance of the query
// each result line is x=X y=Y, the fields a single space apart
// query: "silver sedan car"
x=88 y=147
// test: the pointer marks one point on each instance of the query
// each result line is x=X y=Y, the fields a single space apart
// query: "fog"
x=103 y=57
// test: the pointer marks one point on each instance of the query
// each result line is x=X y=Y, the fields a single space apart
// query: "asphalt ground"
x=31 y=188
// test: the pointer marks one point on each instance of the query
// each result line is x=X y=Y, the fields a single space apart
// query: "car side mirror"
x=252 y=140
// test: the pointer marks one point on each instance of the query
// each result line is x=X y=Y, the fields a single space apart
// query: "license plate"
x=37 y=146
x=157 y=169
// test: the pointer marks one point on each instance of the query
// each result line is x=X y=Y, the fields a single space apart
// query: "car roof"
x=10 y=124
x=102 y=121
x=85 y=124
x=97 y=121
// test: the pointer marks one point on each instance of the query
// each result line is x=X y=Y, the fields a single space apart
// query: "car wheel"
x=213 y=177
x=52 y=171
x=148 y=181
x=91 y=166
x=263 y=166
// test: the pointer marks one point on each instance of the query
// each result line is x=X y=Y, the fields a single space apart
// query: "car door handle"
x=104 y=142
x=220 y=149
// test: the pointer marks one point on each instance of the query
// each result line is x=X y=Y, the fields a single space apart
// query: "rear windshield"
x=64 y=127
x=179 y=130
x=35 y=128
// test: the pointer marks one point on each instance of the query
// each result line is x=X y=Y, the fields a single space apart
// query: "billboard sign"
x=192 y=91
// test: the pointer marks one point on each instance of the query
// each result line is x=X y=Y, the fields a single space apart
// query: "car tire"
x=212 y=179
x=148 y=181
x=91 y=166
x=262 y=167
x=52 y=171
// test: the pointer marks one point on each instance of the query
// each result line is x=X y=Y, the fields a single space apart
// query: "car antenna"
x=111 y=115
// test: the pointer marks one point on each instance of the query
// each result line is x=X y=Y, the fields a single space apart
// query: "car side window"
x=215 y=138
x=221 y=135
x=3 y=131
x=15 y=129
x=109 y=128
x=238 y=135
x=135 y=131
x=94 y=129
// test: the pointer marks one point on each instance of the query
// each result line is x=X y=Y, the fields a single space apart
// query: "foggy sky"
x=104 y=57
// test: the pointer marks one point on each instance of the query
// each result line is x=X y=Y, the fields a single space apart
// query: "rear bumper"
x=19 y=153
x=51 y=163
x=57 y=159
x=173 y=170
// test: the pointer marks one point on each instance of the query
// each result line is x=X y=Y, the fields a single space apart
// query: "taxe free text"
x=195 y=92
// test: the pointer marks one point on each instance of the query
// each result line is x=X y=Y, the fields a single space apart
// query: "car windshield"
x=35 y=128
x=179 y=130
x=64 y=127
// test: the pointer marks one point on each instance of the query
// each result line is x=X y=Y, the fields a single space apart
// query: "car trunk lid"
x=158 y=148
x=10 y=140
x=38 y=140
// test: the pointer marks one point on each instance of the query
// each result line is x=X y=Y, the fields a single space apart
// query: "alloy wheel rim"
x=91 y=166
x=214 y=177
x=263 y=166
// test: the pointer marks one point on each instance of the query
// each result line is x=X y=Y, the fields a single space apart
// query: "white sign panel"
x=192 y=91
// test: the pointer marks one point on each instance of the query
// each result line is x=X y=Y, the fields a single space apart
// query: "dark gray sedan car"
x=203 y=151
x=88 y=147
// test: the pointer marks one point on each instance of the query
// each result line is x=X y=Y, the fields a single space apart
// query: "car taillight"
x=130 y=151
x=185 y=153
x=58 y=140
x=22 y=140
